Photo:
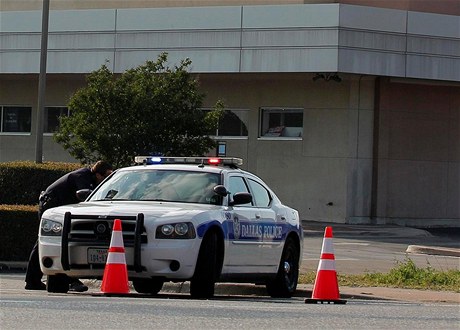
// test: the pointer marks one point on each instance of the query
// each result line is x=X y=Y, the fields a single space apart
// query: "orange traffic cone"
x=115 y=278
x=326 y=287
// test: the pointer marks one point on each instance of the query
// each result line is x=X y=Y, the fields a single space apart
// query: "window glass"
x=52 y=115
x=232 y=123
x=236 y=184
x=16 y=119
x=281 y=122
x=261 y=196
x=161 y=185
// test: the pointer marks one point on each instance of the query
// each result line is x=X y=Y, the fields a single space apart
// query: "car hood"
x=124 y=208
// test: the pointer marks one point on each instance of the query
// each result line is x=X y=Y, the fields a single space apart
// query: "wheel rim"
x=290 y=269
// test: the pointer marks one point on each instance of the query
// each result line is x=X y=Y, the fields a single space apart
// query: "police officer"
x=63 y=192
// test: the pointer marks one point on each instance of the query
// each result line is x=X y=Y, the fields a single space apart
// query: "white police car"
x=194 y=219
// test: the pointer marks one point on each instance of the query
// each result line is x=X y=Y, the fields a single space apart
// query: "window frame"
x=245 y=184
x=2 y=113
x=45 y=121
x=253 y=185
x=278 y=131
x=217 y=135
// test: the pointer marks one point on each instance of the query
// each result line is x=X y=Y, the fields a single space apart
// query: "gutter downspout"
x=375 y=154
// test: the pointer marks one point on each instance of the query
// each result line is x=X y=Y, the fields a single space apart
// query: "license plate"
x=97 y=256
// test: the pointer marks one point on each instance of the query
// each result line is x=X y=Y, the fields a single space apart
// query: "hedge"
x=20 y=186
x=18 y=231
x=22 y=182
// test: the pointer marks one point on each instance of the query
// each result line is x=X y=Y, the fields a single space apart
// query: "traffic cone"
x=326 y=287
x=115 y=278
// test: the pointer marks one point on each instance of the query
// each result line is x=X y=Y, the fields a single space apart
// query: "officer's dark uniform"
x=61 y=192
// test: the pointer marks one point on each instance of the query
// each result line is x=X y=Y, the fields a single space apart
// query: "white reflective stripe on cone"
x=117 y=239
x=116 y=258
x=327 y=246
x=326 y=264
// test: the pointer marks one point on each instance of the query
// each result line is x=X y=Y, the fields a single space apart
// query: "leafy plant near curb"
x=405 y=275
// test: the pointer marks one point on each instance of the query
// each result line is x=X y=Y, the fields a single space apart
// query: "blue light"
x=154 y=160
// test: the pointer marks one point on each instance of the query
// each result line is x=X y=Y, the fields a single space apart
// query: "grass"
x=404 y=275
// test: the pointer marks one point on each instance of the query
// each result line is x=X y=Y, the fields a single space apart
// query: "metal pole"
x=42 y=83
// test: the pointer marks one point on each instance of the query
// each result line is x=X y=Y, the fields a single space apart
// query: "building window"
x=232 y=123
x=52 y=115
x=281 y=122
x=15 y=119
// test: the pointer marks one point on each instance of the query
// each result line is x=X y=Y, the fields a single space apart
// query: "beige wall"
x=418 y=126
x=307 y=174
x=22 y=90
x=332 y=160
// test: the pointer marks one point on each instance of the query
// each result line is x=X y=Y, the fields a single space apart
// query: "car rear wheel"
x=207 y=268
x=285 y=282
x=57 y=283
x=151 y=286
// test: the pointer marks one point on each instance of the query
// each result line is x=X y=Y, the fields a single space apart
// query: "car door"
x=272 y=231
x=244 y=232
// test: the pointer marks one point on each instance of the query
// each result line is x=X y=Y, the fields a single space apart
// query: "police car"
x=196 y=219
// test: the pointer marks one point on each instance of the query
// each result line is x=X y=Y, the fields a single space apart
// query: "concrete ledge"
x=452 y=252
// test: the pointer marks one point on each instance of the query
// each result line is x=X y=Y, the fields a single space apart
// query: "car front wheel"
x=150 y=285
x=285 y=282
x=57 y=283
x=207 y=269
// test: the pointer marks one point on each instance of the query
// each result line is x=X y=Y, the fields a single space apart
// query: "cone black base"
x=321 y=301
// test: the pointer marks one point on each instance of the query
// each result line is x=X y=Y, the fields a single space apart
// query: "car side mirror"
x=83 y=194
x=241 y=198
x=220 y=190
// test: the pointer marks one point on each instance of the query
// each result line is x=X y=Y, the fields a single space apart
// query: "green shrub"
x=22 y=182
x=20 y=186
x=407 y=274
x=18 y=231
x=404 y=275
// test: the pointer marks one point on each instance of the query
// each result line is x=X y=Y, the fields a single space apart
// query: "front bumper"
x=172 y=259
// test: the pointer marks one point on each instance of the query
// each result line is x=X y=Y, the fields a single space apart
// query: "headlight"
x=50 y=228
x=181 y=230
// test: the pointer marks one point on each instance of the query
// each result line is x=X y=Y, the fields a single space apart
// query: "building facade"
x=350 y=110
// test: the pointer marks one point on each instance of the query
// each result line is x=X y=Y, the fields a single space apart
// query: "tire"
x=285 y=282
x=150 y=286
x=57 y=283
x=208 y=268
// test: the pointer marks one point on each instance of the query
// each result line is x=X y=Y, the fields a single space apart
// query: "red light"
x=214 y=161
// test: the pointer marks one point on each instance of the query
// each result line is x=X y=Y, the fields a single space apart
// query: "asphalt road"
x=20 y=309
x=360 y=249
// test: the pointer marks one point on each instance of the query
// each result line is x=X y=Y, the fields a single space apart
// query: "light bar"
x=149 y=160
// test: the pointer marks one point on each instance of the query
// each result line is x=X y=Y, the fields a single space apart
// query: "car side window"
x=236 y=184
x=261 y=196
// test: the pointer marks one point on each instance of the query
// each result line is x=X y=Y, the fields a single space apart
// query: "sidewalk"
x=445 y=242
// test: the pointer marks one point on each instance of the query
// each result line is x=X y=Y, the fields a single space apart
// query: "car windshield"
x=161 y=185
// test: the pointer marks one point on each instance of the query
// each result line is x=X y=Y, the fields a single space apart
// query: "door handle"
x=257 y=216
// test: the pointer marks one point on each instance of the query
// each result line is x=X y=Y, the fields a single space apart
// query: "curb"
x=246 y=290
x=421 y=249
x=13 y=266
x=305 y=291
